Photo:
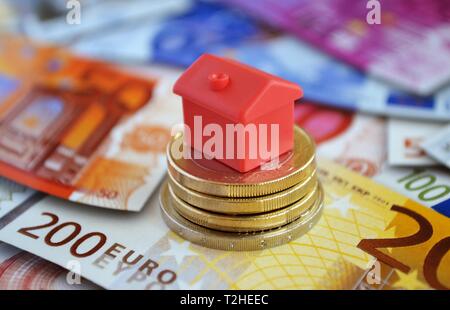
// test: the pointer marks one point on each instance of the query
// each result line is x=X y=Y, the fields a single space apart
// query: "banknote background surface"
x=370 y=236
x=363 y=223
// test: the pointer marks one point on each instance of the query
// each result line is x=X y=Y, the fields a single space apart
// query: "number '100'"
x=425 y=184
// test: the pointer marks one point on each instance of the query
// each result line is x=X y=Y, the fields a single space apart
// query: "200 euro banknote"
x=368 y=237
x=22 y=270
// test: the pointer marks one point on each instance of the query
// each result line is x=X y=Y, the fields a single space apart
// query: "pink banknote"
x=409 y=44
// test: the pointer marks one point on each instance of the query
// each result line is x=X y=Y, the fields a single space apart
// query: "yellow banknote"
x=369 y=237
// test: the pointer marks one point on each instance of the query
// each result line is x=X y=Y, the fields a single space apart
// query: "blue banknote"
x=177 y=40
x=206 y=28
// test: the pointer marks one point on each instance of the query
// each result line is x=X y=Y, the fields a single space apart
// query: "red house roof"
x=232 y=89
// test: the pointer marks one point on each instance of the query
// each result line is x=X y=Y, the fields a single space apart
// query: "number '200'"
x=75 y=232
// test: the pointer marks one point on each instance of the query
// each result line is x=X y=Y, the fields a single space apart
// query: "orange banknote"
x=81 y=129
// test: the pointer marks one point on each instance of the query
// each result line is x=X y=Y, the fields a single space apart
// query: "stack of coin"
x=215 y=206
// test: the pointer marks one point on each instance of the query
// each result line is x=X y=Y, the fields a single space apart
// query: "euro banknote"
x=428 y=186
x=12 y=195
x=404 y=142
x=81 y=129
x=359 y=142
x=62 y=22
x=327 y=81
x=368 y=237
x=212 y=28
x=202 y=27
x=408 y=47
x=353 y=139
x=22 y=270
x=438 y=146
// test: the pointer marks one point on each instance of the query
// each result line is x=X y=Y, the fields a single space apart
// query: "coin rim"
x=244 y=223
x=238 y=241
x=224 y=189
x=246 y=205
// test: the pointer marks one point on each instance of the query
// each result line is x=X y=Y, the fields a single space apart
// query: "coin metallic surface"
x=247 y=205
x=245 y=223
x=211 y=177
x=237 y=241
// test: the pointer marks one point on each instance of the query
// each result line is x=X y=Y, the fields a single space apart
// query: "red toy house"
x=222 y=93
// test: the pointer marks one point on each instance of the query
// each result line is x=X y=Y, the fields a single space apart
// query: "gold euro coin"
x=237 y=241
x=211 y=177
x=247 y=205
x=244 y=223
